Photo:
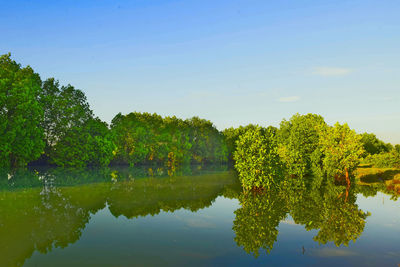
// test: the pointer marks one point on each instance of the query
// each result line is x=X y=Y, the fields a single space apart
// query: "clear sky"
x=232 y=62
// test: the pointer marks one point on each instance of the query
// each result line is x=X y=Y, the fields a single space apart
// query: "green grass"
x=376 y=175
x=390 y=177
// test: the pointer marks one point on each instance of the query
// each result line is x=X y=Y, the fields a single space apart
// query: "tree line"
x=43 y=122
x=306 y=150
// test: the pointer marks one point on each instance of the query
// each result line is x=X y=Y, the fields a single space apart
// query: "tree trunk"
x=347 y=177
x=348 y=184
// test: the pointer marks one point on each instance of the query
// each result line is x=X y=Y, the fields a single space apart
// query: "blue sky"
x=232 y=62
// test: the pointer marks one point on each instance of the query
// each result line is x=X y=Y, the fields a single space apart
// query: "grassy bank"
x=390 y=177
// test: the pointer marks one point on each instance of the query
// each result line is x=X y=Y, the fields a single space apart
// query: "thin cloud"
x=329 y=71
x=332 y=252
x=289 y=99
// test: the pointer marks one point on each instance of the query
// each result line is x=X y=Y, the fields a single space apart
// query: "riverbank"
x=389 y=177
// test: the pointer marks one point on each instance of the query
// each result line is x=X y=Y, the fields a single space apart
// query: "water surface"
x=142 y=216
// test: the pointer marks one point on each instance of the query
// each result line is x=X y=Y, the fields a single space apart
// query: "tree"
x=298 y=139
x=257 y=160
x=384 y=160
x=73 y=136
x=90 y=144
x=208 y=144
x=66 y=110
x=231 y=135
x=144 y=138
x=21 y=137
x=372 y=145
x=342 y=150
x=136 y=138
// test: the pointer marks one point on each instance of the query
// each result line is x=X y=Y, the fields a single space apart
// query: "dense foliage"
x=342 y=150
x=73 y=136
x=90 y=144
x=372 y=145
x=298 y=139
x=256 y=158
x=231 y=136
x=21 y=138
x=65 y=108
x=305 y=146
x=144 y=138
x=384 y=160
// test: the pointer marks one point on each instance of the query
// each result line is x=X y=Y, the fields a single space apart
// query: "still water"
x=144 y=217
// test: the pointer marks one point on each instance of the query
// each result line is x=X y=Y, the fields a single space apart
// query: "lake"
x=197 y=216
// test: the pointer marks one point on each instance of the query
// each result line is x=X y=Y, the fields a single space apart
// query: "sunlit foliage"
x=298 y=139
x=144 y=138
x=342 y=149
x=231 y=136
x=257 y=160
x=384 y=160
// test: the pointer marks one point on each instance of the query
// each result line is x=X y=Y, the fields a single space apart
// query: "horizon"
x=233 y=65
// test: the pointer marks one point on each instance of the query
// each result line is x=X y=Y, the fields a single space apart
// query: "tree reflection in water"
x=40 y=211
x=49 y=209
x=331 y=209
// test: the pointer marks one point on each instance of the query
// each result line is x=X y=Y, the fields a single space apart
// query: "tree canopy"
x=257 y=160
x=342 y=149
x=298 y=139
x=21 y=137
x=144 y=138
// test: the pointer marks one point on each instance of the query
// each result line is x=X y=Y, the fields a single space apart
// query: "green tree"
x=90 y=144
x=257 y=160
x=372 y=145
x=136 y=138
x=21 y=137
x=73 y=136
x=144 y=138
x=384 y=160
x=208 y=144
x=298 y=140
x=342 y=150
x=231 y=135
x=66 y=111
